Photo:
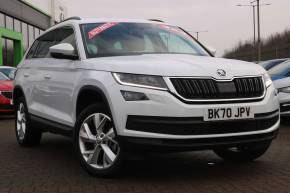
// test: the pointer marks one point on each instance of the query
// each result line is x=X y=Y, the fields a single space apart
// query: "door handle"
x=47 y=76
x=26 y=75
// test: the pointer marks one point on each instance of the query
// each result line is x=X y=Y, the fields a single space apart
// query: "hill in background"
x=275 y=46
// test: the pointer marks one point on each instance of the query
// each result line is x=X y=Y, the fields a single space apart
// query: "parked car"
x=283 y=86
x=280 y=71
x=8 y=71
x=6 y=88
x=272 y=63
x=121 y=85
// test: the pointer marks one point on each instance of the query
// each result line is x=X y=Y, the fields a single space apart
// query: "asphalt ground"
x=53 y=167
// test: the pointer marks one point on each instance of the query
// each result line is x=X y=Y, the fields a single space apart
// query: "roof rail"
x=157 y=20
x=72 y=18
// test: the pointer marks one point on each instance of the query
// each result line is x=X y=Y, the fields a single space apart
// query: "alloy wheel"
x=97 y=141
x=21 y=121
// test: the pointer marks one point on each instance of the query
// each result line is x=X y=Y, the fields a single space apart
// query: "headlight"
x=145 y=81
x=285 y=90
x=267 y=80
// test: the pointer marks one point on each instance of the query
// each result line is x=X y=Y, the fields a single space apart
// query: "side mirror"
x=211 y=50
x=63 y=51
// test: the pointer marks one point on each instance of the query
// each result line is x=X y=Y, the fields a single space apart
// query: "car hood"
x=282 y=83
x=6 y=85
x=174 y=65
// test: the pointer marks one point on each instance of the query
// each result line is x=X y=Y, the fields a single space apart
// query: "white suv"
x=121 y=85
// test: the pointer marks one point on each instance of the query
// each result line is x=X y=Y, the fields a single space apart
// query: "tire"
x=244 y=153
x=96 y=143
x=26 y=135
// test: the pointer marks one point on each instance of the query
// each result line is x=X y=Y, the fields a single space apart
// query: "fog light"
x=133 y=96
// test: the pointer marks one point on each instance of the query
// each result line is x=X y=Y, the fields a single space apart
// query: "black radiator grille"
x=188 y=88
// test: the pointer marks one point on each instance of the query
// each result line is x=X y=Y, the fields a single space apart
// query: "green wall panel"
x=17 y=39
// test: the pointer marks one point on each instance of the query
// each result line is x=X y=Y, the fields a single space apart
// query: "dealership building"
x=21 y=22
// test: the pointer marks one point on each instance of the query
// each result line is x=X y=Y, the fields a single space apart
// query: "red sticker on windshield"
x=100 y=29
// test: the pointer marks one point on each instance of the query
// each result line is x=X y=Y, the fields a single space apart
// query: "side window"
x=66 y=35
x=57 y=36
x=32 y=50
x=44 y=43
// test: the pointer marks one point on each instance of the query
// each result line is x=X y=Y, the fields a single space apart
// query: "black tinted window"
x=61 y=35
x=32 y=50
x=44 y=43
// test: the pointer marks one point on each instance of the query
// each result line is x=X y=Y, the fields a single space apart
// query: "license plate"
x=230 y=113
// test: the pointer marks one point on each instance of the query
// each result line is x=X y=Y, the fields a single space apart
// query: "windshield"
x=8 y=72
x=280 y=69
x=3 y=77
x=116 y=39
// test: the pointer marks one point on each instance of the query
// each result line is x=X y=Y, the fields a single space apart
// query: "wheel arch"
x=17 y=92
x=88 y=95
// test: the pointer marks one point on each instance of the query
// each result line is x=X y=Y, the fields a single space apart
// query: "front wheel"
x=243 y=153
x=96 y=142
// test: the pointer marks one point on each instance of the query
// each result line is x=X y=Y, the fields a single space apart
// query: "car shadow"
x=6 y=117
x=55 y=157
x=285 y=121
x=54 y=161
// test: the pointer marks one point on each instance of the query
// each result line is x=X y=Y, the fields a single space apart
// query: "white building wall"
x=54 y=8
x=44 y=5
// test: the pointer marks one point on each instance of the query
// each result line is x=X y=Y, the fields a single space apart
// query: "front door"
x=54 y=92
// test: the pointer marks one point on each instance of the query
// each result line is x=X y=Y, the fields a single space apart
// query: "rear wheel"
x=26 y=135
x=243 y=153
x=96 y=142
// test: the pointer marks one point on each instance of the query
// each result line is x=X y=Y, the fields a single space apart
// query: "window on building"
x=30 y=35
x=36 y=31
x=17 y=26
x=9 y=22
x=25 y=35
x=2 y=20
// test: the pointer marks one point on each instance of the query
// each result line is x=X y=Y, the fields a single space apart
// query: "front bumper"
x=163 y=104
x=197 y=127
x=164 y=145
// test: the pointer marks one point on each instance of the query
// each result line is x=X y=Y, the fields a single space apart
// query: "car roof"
x=78 y=20
x=101 y=20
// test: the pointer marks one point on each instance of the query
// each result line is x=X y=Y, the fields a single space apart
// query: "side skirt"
x=51 y=126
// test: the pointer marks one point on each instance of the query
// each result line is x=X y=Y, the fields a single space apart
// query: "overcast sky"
x=226 y=23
